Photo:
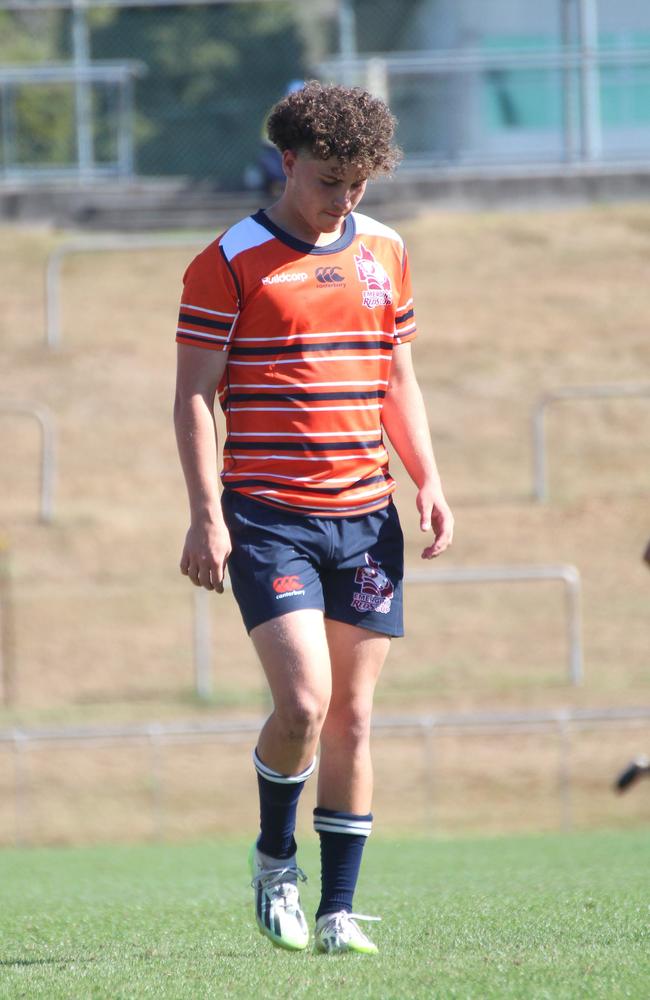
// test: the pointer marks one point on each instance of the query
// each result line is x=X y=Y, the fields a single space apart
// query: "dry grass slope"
x=509 y=305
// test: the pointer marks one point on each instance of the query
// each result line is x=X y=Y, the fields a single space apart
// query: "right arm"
x=207 y=543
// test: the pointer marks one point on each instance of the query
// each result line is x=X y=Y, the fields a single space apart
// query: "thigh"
x=364 y=587
x=273 y=566
x=294 y=653
x=357 y=656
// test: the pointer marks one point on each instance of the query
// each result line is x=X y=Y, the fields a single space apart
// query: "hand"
x=206 y=551
x=435 y=514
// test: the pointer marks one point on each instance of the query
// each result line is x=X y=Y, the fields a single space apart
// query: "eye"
x=328 y=183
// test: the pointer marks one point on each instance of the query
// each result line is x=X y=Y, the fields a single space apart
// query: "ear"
x=289 y=158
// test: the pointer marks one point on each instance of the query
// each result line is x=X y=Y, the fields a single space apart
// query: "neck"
x=284 y=216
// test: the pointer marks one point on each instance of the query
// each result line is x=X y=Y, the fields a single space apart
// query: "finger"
x=219 y=576
x=439 y=546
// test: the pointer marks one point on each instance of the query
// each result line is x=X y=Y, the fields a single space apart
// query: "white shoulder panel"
x=365 y=225
x=244 y=235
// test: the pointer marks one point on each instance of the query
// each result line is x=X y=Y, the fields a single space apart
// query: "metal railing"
x=559 y=722
x=47 y=429
x=82 y=77
x=619 y=390
x=99 y=244
x=567 y=574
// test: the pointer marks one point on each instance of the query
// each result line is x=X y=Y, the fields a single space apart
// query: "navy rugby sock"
x=279 y=794
x=342 y=840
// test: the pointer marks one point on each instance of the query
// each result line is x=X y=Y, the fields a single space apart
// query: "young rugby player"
x=300 y=318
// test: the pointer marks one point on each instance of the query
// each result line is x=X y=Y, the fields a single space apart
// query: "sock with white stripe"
x=342 y=840
x=279 y=794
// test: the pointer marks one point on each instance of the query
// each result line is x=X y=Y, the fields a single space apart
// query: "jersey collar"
x=344 y=240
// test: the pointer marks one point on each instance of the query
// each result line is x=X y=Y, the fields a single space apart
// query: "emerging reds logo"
x=288 y=586
x=376 y=591
x=378 y=290
x=331 y=276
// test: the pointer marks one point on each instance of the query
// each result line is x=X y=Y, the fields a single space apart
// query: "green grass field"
x=531 y=917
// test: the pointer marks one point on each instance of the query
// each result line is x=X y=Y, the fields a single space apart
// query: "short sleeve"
x=405 y=328
x=210 y=303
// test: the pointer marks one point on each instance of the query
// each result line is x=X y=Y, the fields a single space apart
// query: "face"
x=321 y=193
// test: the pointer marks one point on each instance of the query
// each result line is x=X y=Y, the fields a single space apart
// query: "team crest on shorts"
x=376 y=592
x=369 y=270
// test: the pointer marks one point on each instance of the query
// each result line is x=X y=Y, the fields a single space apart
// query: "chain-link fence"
x=156 y=88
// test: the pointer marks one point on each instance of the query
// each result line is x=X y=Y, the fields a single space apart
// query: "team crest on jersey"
x=378 y=291
x=376 y=591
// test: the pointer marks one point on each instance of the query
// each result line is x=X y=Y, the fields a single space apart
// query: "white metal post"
x=20 y=744
x=83 y=91
x=7 y=640
x=47 y=429
x=347 y=38
x=568 y=78
x=592 y=140
x=154 y=733
x=611 y=390
x=564 y=773
x=568 y=574
x=96 y=245
x=202 y=643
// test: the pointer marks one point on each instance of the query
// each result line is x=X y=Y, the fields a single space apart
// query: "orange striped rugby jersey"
x=310 y=332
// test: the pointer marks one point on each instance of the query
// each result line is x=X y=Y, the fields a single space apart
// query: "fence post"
x=428 y=730
x=202 y=644
x=7 y=634
x=154 y=735
x=592 y=143
x=46 y=426
x=564 y=773
x=20 y=788
x=608 y=390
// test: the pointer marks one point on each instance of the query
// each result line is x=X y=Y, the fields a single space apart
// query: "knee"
x=302 y=717
x=349 y=724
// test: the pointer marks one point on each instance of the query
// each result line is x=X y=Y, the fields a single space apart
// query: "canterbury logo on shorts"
x=288 y=586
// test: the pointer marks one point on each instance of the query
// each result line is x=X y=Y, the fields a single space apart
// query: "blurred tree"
x=212 y=73
x=39 y=125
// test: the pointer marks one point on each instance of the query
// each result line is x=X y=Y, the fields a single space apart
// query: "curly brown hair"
x=330 y=120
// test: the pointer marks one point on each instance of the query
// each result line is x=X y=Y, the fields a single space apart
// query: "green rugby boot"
x=337 y=933
x=277 y=901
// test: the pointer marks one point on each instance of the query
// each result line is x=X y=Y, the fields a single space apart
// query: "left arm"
x=405 y=422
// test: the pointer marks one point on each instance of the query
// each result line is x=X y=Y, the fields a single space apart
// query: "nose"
x=343 y=202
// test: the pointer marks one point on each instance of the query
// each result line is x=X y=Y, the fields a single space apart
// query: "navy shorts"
x=351 y=568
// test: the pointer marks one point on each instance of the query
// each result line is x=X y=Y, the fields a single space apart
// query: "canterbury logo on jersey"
x=329 y=275
x=284 y=276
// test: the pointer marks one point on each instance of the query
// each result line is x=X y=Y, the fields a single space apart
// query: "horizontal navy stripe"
x=403 y=319
x=346 y=345
x=238 y=397
x=301 y=445
x=204 y=340
x=210 y=324
x=313 y=490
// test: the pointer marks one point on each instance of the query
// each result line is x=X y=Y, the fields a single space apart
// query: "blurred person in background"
x=270 y=158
